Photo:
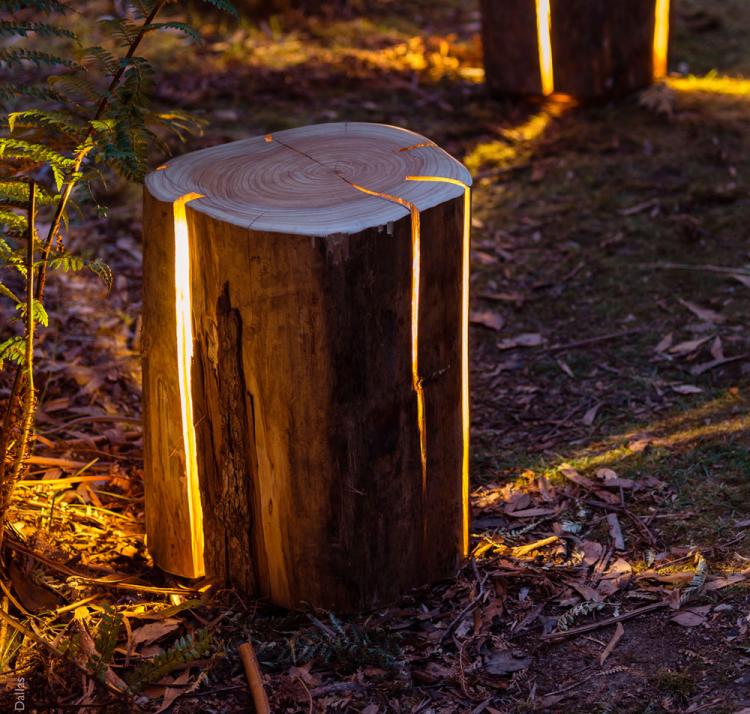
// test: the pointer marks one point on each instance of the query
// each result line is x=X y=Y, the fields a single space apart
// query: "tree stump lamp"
x=582 y=48
x=305 y=377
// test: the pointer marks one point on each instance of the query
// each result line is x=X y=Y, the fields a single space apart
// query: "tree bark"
x=310 y=427
x=598 y=47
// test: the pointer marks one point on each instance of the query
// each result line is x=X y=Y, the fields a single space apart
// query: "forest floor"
x=610 y=392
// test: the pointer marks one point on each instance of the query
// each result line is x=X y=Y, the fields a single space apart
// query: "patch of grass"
x=680 y=683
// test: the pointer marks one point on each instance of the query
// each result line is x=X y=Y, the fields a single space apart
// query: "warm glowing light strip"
x=415 y=276
x=184 y=364
x=661 y=38
x=465 y=414
x=544 y=41
x=711 y=84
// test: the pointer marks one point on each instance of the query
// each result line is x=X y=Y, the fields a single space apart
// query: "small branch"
x=254 y=678
x=701 y=268
x=592 y=340
x=26 y=632
x=604 y=623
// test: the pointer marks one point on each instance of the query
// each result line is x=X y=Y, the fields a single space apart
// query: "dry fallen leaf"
x=590 y=416
x=691 y=617
x=664 y=344
x=703 y=313
x=619 y=632
x=686 y=389
x=502 y=662
x=528 y=339
x=487 y=318
x=684 y=348
x=154 y=631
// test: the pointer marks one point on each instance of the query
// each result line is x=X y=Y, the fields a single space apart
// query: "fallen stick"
x=592 y=340
x=254 y=678
x=702 y=268
x=604 y=623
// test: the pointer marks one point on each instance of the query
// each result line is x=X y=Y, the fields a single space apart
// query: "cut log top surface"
x=303 y=181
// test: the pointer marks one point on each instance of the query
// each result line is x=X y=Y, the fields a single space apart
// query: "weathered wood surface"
x=599 y=47
x=305 y=411
x=511 y=52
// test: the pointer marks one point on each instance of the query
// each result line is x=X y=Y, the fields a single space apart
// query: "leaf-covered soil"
x=610 y=395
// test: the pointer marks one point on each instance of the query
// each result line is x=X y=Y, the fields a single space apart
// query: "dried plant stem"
x=254 y=678
x=7 y=483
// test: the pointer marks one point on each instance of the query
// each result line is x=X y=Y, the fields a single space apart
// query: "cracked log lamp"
x=582 y=48
x=306 y=364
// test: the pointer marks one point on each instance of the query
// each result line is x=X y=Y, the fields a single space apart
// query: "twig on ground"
x=701 y=268
x=592 y=340
x=603 y=623
x=254 y=678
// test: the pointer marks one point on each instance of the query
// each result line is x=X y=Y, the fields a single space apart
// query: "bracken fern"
x=71 y=112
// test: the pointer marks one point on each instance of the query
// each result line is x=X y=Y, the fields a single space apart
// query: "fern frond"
x=37 y=309
x=13 y=350
x=185 y=649
x=16 y=193
x=224 y=6
x=180 y=123
x=11 y=257
x=569 y=617
x=695 y=587
x=15 y=223
x=103 y=58
x=45 y=6
x=9 y=28
x=70 y=263
x=182 y=27
x=74 y=88
x=37 y=153
x=33 y=91
x=122 y=29
x=7 y=292
x=107 y=634
x=142 y=8
x=14 y=56
x=57 y=121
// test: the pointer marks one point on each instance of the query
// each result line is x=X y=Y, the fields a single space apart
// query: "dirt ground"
x=610 y=426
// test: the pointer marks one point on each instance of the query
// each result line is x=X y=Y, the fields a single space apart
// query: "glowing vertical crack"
x=184 y=365
x=465 y=414
x=415 y=278
x=661 y=38
x=544 y=43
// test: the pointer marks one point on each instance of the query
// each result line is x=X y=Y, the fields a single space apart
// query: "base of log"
x=582 y=48
x=306 y=364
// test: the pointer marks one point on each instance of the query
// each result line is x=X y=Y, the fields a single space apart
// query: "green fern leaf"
x=15 y=223
x=74 y=88
x=14 y=56
x=7 y=292
x=224 y=6
x=37 y=310
x=104 y=59
x=107 y=634
x=8 y=28
x=186 y=649
x=183 y=27
x=16 y=193
x=124 y=30
x=33 y=91
x=57 y=121
x=13 y=350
